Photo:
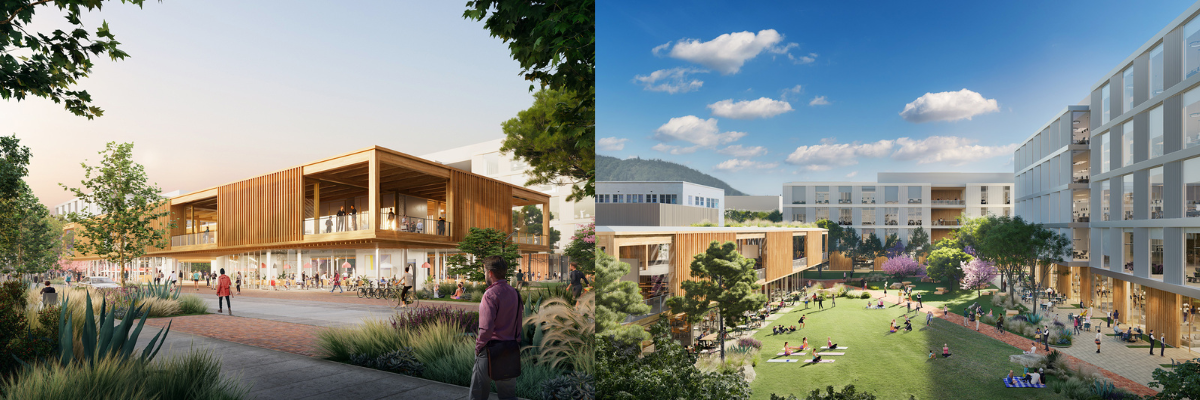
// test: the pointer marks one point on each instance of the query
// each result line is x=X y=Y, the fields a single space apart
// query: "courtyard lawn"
x=893 y=365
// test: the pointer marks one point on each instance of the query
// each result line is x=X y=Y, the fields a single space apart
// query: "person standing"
x=1151 y=342
x=207 y=280
x=196 y=281
x=68 y=279
x=577 y=278
x=1097 y=339
x=1000 y=323
x=520 y=278
x=239 y=283
x=157 y=277
x=1162 y=347
x=441 y=226
x=223 y=292
x=928 y=317
x=499 y=320
x=337 y=284
x=821 y=303
x=341 y=219
x=353 y=218
x=1116 y=317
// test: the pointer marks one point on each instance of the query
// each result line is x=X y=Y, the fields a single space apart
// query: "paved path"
x=288 y=337
x=276 y=375
x=299 y=311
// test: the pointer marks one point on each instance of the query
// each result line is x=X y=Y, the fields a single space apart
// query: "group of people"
x=780 y=329
x=945 y=351
x=907 y=325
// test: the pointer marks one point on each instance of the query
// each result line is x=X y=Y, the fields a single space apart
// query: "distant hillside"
x=636 y=169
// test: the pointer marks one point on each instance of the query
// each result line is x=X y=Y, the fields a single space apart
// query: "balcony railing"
x=799 y=263
x=657 y=305
x=761 y=273
x=194 y=239
x=942 y=222
x=524 y=238
x=948 y=202
x=844 y=201
x=1081 y=218
x=336 y=224
x=914 y=201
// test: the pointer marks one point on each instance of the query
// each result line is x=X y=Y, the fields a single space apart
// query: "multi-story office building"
x=1145 y=142
x=658 y=204
x=898 y=203
x=754 y=203
x=78 y=205
x=486 y=159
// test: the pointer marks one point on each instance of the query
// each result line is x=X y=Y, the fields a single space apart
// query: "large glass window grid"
x=1080 y=167
x=891 y=216
x=1104 y=105
x=1137 y=306
x=868 y=216
x=844 y=194
x=1191 y=187
x=1080 y=205
x=1127 y=94
x=844 y=216
x=1127 y=197
x=1080 y=127
x=1156 y=71
x=915 y=216
x=1080 y=241
x=1104 y=153
x=1127 y=144
x=1191 y=48
x=1191 y=118
x=891 y=195
x=1191 y=273
x=914 y=195
x=1156 y=193
x=1127 y=249
x=1102 y=294
x=822 y=213
x=1156 y=132
x=868 y=195
x=822 y=194
x=1104 y=200
x=1190 y=330
x=1156 y=253
x=798 y=193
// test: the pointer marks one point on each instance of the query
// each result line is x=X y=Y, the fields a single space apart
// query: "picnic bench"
x=940 y=290
x=1010 y=313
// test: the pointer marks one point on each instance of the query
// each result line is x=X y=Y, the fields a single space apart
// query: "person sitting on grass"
x=792 y=329
x=907 y=325
x=892 y=327
x=787 y=350
x=816 y=358
x=945 y=350
x=458 y=294
x=931 y=355
x=829 y=341
x=775 y=330
x=880 y=303
x=1033 y=378
x=1032 y=350
x=804 y=345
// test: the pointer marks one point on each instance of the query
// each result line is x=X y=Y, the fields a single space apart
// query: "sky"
x=839 y=91
x=215 y=92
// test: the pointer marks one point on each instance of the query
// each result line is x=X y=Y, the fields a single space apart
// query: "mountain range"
x=637 y=169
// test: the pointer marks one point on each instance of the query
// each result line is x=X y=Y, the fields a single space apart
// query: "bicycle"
x=411 y=300
x=364 y=291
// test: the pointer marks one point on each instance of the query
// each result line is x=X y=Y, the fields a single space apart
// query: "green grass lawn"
x=893 y=365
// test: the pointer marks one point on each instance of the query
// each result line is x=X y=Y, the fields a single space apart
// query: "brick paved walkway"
x=325 y=296
x=1023 y=344
x=274 y=335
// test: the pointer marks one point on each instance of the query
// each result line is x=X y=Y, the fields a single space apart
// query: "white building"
x=680 y=203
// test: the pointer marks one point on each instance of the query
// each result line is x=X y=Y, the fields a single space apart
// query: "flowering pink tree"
x=582 y=249
x=902 y=265
x=977 y=273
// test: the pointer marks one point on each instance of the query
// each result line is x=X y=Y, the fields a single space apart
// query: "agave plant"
x=107 y=339
x=1103 y=388
x=162 y=291
x=568 y=333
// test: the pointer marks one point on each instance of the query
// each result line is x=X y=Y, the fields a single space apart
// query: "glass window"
x=891 y=194
x=868 y=195
x=891 y=216
x=1127 y=144
x=914 y=216
x=1104 y=106
x=844 y=216
x=1127 y=249
x=822 y=213
x=1104 y=203
x=1008 y=195
x=1191 y=182
x=1156 y=132
x=1191 y=48
x=1156 y=193
x=1191 y=118
x=822 y=194
x=798 y=214
x=1156 y=71
x=914 y=195
x=518 y=164
x=1193 y=254
x=983 y=195
x=1104 y=156
x=1105 y=234
x=1127 y=80
x=844 y=194
x=868 y=216
x=1127 y=197
x=492 y=161
x=798 y=193
x=1080 y=127
x=1156 y=253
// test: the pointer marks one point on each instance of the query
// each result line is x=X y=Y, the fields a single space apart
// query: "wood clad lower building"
x=263 y=209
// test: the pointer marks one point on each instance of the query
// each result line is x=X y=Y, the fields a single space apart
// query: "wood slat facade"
x=478 y=202
x=686 y=247
x=262 y=210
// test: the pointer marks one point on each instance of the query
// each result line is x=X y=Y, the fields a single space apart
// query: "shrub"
x=865 y=295
x=465 y=321
x=476 y=295
x=1102 y=388
x=574 y=386
x=453 y=366
x=624 y=373
x=195 y=375
x=400 y=361
x=373 y=338
x=446 y=289
x=159 y=307
x=192 y=304
x=749 y=342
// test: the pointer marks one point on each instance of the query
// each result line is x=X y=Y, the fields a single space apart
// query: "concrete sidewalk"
x=276 y=375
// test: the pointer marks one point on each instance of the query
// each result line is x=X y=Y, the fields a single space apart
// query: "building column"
x=376 y=262
x=270 y=267
x=299 y=264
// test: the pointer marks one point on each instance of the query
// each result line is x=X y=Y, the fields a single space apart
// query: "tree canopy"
x=1178 y=383
x=945 y=265
x=559 y=148
x=479 y=244
x=616 y=299
x=582 y=249
x=50 y=64
x=721 y=278
x=129 y=210
x=529 y=220
x=37 y=242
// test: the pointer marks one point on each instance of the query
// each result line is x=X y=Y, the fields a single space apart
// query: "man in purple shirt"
x=500 y=312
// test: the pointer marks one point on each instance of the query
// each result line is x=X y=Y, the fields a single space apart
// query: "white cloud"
x=852 y=174
x=949 y=149
x=829 y=154
x=738 y=150
x=658 y=49
x=728 y=52
x=792 y=90
x=948 y=106
x=666 y=148
x=738 y=165
x=611 y=143
x=692 y=129
x=808 y=59
x=818 y=101
x=750 y=109
x=672 y=80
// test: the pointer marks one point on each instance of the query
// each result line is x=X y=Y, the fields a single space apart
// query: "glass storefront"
x=1101 y=295
x=1189 y=329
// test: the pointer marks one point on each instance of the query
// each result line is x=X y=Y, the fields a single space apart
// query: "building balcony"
x=657 y=305
x=942 y=222
x=914 y=201
x=948 y=203
x=533 y=239
x=339 y=224
x=845 y=222
x=844 y=201
x=193 y=239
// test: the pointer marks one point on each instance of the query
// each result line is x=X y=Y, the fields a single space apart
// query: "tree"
x=871 y=247
x=892 y=245
x=529 y=220
x=481 y=243
x=37 y=245
x=849 y=392
x=555 y=43
x=616 y=299
x=1048 y=247
x=901 y=266
x=669 y=372
x=558 y=148
x=977 y=273
x=582 y=249
x=723 y=279
x=775 y=216
x=14 y=166
x=48 y=65
x=945 y=265
x=918 y=243
x=997 y=239
x=837 y=237
x=129 y=211
x=1179 y=383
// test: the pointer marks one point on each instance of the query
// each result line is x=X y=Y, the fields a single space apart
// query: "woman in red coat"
x=223 y=284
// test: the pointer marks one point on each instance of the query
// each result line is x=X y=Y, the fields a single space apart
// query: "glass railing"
x=914 y=201
x=799 y=263
x=948 y=202
x=953 y=222
x=524 y=238
x=420 y=225
x=657 y=305
x=194 y=239
x=761 y=273
x=336 y=224
x=1081 y=218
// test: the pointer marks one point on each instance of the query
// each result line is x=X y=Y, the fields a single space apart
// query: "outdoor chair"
x=49 y=299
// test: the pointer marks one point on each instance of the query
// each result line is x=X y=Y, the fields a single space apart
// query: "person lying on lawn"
x=791 y=329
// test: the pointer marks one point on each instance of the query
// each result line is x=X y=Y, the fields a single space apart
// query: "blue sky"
x=215 y=92
x=793 y=91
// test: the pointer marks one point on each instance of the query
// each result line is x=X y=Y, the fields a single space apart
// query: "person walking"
x=1162 y=347
x=833 y=301
x=928 y=317
x=500 y=312
x=337 y=284
x=196 y=281
x=1116 y=317
x=821 y=302
x=68 y=279
x=920 y=304
x=1000 y=324
x=239 y=283
x=207 y=280
x=577 y=278
x=157 y=277
x=223 y=292
x=1097 y=339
